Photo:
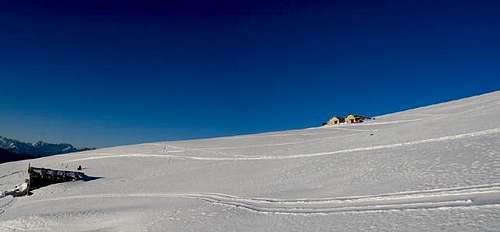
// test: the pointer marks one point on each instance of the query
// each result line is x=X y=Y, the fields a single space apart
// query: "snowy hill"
x=435 y=168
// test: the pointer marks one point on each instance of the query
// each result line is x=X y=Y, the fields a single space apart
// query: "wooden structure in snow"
x=40 y=177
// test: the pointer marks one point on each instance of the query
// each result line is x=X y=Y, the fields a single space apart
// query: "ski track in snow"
x=352 y=129
x=470 y=196
x=233 y=147
x=308 y=141
x=388 y=122
x=307 y=155
x=332 y=127
x=10 y=174
x=5 y=202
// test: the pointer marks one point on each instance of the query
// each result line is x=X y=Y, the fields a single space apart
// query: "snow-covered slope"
x=435 y=168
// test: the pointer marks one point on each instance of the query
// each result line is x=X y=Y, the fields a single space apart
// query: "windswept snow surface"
x=435 y=168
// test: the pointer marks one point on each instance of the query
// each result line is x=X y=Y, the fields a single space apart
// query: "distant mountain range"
x=11 y=149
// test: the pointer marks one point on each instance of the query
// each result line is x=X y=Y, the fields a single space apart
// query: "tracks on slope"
x=307 y=155
x=12 y=173
x=5 y=202
x=479 y=195
x=443 y=198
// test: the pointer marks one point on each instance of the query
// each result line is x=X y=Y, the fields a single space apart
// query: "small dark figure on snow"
x=79 y=168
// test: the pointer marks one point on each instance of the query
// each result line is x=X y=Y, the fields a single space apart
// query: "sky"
x=103 y=73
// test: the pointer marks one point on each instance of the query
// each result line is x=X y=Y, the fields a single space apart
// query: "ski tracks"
x=306 y=155
x=10 y=174
x=479 y=195
x=5 y=202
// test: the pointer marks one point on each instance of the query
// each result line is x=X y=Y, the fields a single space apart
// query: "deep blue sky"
x=102 y=73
